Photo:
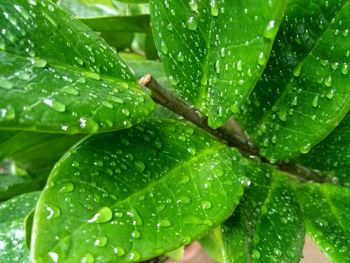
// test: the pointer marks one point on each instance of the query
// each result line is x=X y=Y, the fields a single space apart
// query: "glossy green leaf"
x=13 y=213
x=304 y=91
x=267 y=226
x=332 y=155
x=136 y=194
x=59 y=76
x=33 y=153
x=215 y=51
x=109 y=24
x=327 y=218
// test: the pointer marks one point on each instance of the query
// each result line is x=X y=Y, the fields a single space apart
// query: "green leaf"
x=139 y=23
x=33 y=153
x=132 y=1
x=136 y=194
x=327 y=218
x=92 y=8
x=267 y=226
x=13 y=213
x=304 y=92
x=332 y=155
x=215 y=51
x=59 y=76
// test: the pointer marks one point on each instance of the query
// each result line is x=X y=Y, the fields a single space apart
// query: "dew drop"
x=103 y=215
x=67 y=188
x=255 y=254
x=206 y=204
x=163 y=48
x=193 y=5
x=134 y=256
x=345 y=69
x=214 y=9
x=139 y=166
x=163 y=223
x=180 y=57
x=88 y=258
x=70 y=90
x=315 y=101
x=192 y=23
x=101 y=241
x=5 y=84
x=262 y=59
x=53 y=212
x=135 y=234
x=119 y=251
x=297 y=70
x=55 y=105
x=270 y=30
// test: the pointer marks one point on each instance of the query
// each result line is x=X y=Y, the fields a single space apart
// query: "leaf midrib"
x=169 y=174
x=77 y=70
x=266 y=116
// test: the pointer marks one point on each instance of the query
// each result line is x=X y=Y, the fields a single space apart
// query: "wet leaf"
x=31 y=157
x=59 y=76
x=267 y=226
x=304 y=92
x=327 y=218
x=13 y=212
x=332 y=155
x=136 y=194
x=215 y=51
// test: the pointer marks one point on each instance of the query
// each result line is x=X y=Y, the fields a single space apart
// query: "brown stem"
x=228 y=133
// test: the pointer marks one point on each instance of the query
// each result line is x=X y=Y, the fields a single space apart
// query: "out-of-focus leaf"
x=136 y=194
x=327 y=218
x=304 y=92
x=215 y=51
x=13 y=212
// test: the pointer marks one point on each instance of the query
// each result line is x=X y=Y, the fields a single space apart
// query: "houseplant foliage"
x=93 y=170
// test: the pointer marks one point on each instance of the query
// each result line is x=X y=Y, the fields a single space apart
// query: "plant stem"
x=230 y=133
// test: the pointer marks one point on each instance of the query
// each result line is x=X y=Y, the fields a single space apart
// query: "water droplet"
x=262 y=59
x=297 y=70
x=107 y=105
x=180 y=57
x=88 y=258
x=39 y=63
x=137 y=220
x=192 y=23
x=163 y=223
x=92 y=75
x=328 y=81
x=305 y=149
x=134 y=256
x=139 y=166
x=88 y=124
x=239 y=65
x=55 y=105
x=206 y=204
x=184 y=200
x=192 y=150
x=193 y=5
x=103 y=215
x=214 y=9
x=277 y=252
x=135 y=234
x=255 y=254
x=119 y=251
x=163 y=48
x=315 y=101
x=5 y=84
x=70 y=90
x=67 y=188
x=7 y=113
x=53 y=256
x=345 y=69
x=331 y=94
x=101 y=241
x=53 y=212
x=270 y=30
x=245 y=181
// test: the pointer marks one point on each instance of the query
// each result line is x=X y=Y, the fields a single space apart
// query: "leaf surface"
x=304 y=93
x=136 y=194
x=327 y=218
x=59 y=76
x=267 y=225
x=13 y=213
x=332 y=155
x=215 y=51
